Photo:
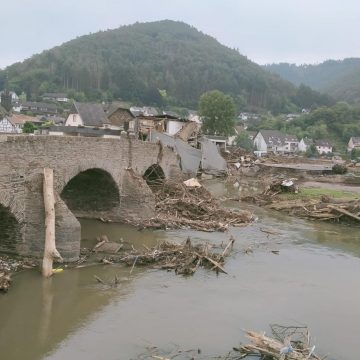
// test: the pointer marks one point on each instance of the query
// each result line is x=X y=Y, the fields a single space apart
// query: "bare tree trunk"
x=50 y=252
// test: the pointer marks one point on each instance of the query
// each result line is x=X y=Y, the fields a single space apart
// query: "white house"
x=87 y=115
x=354 y=143
x=8 y=126
x=60 y=97
x=13 y=94
x=323 y=147
x=275 y=141
x=304 y=144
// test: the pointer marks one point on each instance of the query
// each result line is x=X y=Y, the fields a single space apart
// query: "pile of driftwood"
x=9 y=266
x=180 y=206
x=292 y=343
x=324 y=209
x=287 y=343
x=183 y=258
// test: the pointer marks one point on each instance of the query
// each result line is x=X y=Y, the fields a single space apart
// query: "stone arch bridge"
x=93 y=178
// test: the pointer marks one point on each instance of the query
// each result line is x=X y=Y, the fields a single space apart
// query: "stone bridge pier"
x=94 y=177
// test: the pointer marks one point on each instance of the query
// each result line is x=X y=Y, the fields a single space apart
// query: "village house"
x=60 y=97
x=38 y=108
x=87 y=115
x=275 y=141
x=121 y=118
x=305 y=143
x=9 y=127
x=13 y=96
x=168 y=124
x=354 y=143
x=323 y=146
x=14 y=123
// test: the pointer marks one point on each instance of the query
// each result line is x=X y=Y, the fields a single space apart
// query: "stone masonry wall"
x=22 y=159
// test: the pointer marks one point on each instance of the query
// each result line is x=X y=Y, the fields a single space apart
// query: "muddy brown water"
x=315 y=280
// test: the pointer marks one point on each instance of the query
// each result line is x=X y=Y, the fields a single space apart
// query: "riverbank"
x=312 y=200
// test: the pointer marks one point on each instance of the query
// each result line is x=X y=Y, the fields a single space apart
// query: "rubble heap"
x=181 y=206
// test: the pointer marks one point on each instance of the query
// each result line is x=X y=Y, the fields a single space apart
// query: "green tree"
x=243 y=141
x=29 y=128
x=312 y=152
x=218 y=113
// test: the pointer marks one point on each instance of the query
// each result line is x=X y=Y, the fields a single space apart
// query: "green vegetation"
x=313 y=193
x=29 y=128
x=218 y=113
x=243 y=141
x=160 y=63
x=337 y=123
x=312 y=152
x=340 y=79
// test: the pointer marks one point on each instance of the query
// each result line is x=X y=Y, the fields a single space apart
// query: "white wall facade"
x=302 y=146
x=74 y=120
x=174 y=126
x=259 y=143
x=324 y=149
x=7 y=127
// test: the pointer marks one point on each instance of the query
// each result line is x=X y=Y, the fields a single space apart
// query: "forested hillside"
x=340 y=79
x=153 y=63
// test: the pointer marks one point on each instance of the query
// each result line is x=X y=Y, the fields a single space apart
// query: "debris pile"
x=183 y=258
x=291 y=343
x=322 y=209
x=181 y=206
x=10 y=265
x=5 y=281
x=278 y=186
x=241 y=162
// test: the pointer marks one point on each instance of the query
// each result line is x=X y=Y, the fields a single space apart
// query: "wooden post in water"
x=50 y=252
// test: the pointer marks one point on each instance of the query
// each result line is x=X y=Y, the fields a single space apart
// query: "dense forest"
x=164 y=62
x=340 y=79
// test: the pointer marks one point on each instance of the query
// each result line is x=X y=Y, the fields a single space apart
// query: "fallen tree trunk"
x=50 y=251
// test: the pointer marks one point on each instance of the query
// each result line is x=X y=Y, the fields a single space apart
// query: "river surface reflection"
x=314 y=281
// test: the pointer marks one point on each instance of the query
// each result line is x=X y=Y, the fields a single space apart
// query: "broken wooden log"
x=50 y=251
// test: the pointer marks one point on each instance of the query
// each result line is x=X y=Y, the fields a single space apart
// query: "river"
x=314 y=280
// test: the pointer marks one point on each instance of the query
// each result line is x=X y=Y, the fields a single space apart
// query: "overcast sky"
x=266 y=31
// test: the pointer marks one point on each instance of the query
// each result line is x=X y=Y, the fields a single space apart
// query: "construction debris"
x=278 y=186
x=184 y=258
x=179 y=206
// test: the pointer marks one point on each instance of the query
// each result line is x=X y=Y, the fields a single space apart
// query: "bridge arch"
x=154 y=175
x=91 y=192
x=10 y=231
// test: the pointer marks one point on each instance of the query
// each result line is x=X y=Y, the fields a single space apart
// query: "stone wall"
x=22 y=159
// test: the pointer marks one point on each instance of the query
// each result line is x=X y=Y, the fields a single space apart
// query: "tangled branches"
x=179 y=206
